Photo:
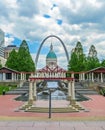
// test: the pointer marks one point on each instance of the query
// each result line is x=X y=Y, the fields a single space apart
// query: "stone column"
x=23 y=76
x=72 y=75
x=69 y=90
x=79 y=77
x=101 y=77
x=4 y=77
x=92 y=77
x=83 y=75
x=34 y=90
x=72 y=91
x=30 y=92
x=98 y=78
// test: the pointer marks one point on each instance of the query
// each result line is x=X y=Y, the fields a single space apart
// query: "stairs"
x=82 y=90
x=56 y=107
x=19 y=90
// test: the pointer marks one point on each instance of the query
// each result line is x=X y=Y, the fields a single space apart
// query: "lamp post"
x=49 y=103
x=51 y=89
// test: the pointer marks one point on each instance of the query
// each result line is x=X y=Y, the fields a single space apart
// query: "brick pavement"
x=9 y=107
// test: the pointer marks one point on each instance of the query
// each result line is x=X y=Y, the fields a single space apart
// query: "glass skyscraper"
x=1 y=43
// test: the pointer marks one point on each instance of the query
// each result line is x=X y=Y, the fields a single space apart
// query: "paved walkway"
x=54 y=103
x=52 y=125
x=95 y=106
x=93 y=119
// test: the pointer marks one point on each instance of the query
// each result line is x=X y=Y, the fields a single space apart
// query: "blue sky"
x=70 y=20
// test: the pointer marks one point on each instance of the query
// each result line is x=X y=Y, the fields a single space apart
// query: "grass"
x=6 y=88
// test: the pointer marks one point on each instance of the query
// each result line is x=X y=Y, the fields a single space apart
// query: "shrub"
x=6 y=88
x=102 y=91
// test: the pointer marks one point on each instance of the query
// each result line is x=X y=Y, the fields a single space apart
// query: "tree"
x=92 y=59
x=25 y=62
x=12 y=60
x=21 y=61
x=24 y=45
x=78 y=59
x=73 y=62
x=103 y=63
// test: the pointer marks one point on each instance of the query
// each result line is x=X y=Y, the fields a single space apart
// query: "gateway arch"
x=37 y=56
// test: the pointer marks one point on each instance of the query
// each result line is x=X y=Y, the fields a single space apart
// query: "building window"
x=8 y=75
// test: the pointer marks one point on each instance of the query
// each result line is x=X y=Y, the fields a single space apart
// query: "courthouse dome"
x=51 y=54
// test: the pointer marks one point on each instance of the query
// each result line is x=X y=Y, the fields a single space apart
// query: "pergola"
x=96 y=75
x=52 y=74
x=8 y=74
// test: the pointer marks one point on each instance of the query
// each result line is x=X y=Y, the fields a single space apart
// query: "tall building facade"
x=2 y=43
x=8 y=50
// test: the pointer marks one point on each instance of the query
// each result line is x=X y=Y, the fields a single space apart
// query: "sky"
x=70 y=20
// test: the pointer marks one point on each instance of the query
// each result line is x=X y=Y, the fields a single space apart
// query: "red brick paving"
x=96 y=107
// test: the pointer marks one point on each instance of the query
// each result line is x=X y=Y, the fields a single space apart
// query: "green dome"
x=51 y=53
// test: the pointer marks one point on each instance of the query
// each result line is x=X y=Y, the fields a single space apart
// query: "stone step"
x=84 y=90
x=19 y=90
x=53 y=110
x=88 y=92
x=16 y=92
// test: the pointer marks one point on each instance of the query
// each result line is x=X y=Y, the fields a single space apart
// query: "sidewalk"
x=52 y=125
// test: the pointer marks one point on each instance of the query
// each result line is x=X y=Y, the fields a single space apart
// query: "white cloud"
x=8 y=40
x=81 y=21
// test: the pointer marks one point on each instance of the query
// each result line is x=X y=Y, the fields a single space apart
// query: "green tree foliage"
x=73 y=62
x=78 y=59
x=21 y=61
x=12 y=60
x=92 y=59
x=103 y=63
x=25 y=62
x=24 y=45
x=79 y=62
